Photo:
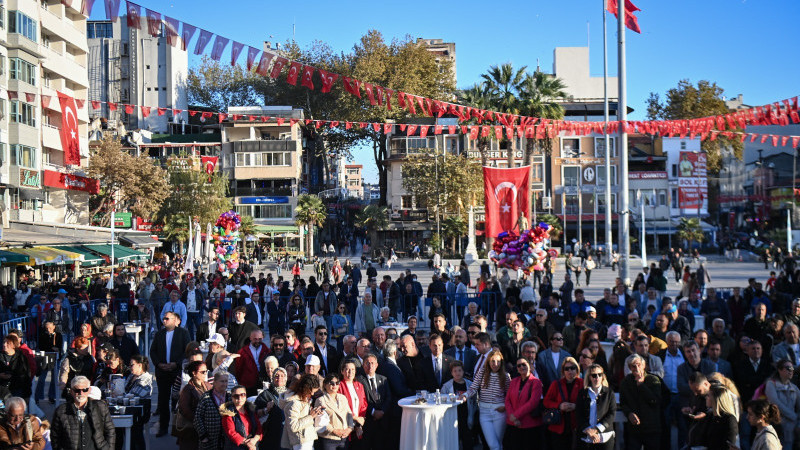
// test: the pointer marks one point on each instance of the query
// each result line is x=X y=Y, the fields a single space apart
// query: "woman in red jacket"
x=562 y=395
x=523 y=397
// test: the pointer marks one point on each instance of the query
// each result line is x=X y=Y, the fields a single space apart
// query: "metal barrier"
x=19 y=323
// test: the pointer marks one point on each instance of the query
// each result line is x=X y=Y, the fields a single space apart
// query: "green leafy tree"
x=191 y=194
x=455 y=181
x=454 y=227
x=127 y=182
x=687 y=101
x=478 y=96
x=218 y=85
x=310 y=212
x=689 y=230
x=373 y=218
x=551 y=220
x=541 y=96
x=504 y=85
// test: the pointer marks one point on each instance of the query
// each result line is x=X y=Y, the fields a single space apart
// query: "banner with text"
x=692 y=180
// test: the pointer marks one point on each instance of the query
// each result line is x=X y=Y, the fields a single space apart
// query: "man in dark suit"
x=166 y=353
x=398 y=389
x=750 y=372
x=209 y=327
x=714 y=356
x=462 y=353
x=255 y=310
x=237 y=296
x=411 y=364
x=348 y=294
x=195 y=301
x=436 y=366
x=548 y=369
x=329 y=356
x=239 y=330
x=379 y=400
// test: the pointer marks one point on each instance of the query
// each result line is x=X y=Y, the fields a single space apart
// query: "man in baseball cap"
x=216 y=343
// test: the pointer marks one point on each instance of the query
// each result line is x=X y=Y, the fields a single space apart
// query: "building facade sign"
x=263 y=200
x=70 y=182
x=29 y=178
x=692 y=180
x=647 y=175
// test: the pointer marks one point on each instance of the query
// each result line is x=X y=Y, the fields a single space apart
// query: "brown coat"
x=29 y=431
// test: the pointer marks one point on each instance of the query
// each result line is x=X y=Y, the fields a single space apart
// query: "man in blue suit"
x=550 y=360
x=462 y=352
x=714 y=352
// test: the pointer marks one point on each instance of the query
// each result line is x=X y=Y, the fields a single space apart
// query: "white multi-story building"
x=43 y=52
x=132 y=67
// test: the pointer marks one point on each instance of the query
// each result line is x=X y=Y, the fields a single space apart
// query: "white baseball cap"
x=216 y=338
x=313 y=360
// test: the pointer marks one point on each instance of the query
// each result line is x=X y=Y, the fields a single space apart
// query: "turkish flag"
x=69 y=130
x=236 y=49
x=630 y=20
x=263 y=65
x=134 y=14
x=209 y=163
x=327 y=80
x=153 y=22
x=186 y=34
x=294 y=71
x=171 y=27
x=251 y=57
x=307 y=78
x=202 y=41
x=506 y=197
x=278 y=66
x=219 y=46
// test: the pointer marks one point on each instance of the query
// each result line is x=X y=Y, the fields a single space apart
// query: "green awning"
x=266 y=229
x=120 y=253
x=13 y=258
x=89 y=258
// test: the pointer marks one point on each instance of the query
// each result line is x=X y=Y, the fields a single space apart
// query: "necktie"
x=438 y=372
x=459 y=355
x=374 y=387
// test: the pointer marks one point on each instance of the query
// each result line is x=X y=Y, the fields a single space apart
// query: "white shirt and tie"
x=437 y=368
x=168 y=339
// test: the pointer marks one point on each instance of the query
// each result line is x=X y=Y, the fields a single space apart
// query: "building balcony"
x=51 y=137
x=64 y=29
x=262 y=192
x=66 y=67
x=16 y=40
x=54 y=105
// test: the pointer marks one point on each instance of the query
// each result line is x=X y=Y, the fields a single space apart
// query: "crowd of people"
x=261 y=361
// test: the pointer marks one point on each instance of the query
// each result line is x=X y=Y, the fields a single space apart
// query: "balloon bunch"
x=524 y=251
x=226 y=238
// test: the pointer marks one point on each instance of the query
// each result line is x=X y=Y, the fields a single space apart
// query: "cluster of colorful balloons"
x=521 y=251
x=226 y=238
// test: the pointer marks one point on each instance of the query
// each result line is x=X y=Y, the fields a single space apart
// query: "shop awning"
x=38 y=256
x=120 y=253
x=267 y=229
x=89 y=258
x=13 y=258
x=140 y=241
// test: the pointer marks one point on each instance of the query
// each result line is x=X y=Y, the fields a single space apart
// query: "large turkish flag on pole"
x=507 y=195
x=69 y=130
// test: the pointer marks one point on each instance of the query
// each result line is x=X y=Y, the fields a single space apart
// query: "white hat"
x=591 y=309
x=216 y=338
x=95 y=393
x=313 y=360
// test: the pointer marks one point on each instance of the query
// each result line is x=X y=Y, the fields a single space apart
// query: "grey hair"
x=348 y=337
x=542 y=310
x=390 y=347
x=673 y=333
x=718 y=320
x=109 y=328
x=530 y=344
x=472 y=304
x=385 y=308
x=102 y=306
x=14 y=402
x=78 y=380
x=270 y=359
x=221 y=373
x=634 y=359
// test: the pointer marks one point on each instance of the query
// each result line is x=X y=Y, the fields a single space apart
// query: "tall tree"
x=373 y=218
x=504 y=84
x=127 y=182
x=455 y=181
x=218 y=85
x=541 y=95
x=310 y=212
x=193 y=194
x=454 y=227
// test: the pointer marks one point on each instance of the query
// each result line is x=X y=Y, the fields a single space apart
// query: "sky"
x=745 y=46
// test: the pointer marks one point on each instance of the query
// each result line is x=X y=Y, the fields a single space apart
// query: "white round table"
x=428 y=426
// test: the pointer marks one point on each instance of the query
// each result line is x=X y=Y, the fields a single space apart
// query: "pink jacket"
x=522 y=403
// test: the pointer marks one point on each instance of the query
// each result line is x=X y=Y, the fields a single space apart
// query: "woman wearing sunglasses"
x=595 y=411
x=240 y=424
x=523 y=398
x=782 y=392
x=341 y=419
x=187 y=405
x=562 y=395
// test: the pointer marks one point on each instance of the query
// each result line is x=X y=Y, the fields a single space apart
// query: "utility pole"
x=622 y=116
x=609 y=234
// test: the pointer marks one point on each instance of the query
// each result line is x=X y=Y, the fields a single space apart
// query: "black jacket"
x=431 y=385
x=397 y=384
x=239 y=335
x=714 y=432
x=412 y=372
x=334 y=358
x=606 y=409
x=158 y=349
x=203 y=332
x=127 y=347
x=643 y=400
x=748 y=379
x=65 y=431
x=381 y=399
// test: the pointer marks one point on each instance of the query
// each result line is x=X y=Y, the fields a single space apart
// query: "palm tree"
x=503 y=84
x=454 y=227
x=246 y=228
x=373 y=218
x=478 y=96
x=310 y=212
x=690 y=230
x=540 y=96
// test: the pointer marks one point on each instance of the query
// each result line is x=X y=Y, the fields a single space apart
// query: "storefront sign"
x=29 y=178
x=263 y=200
x=71 y=182
x=144 y=225
x=692 y=180
x=647 y=175
x=183 y=163
x=121 y=219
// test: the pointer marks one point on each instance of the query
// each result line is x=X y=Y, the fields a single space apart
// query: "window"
x=21 y=24
x=2 y=17
x=570 y=147
x=266 y=211
x=600 y=147
x=674 y=202
x=419 y=143
x=406 y=202
x=23 y=155
x=22 y=70
x=22 y=112
x=601 y=203
x=570 y=204
x=99 y=30
x=674 y=171
x=2 y=63
x=601 y=175
x=570 y=175
x=263 y=159
x=536 y=174
x=683 y=145
x=451 y=144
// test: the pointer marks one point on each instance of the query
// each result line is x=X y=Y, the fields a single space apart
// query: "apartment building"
x=442 y=51
x=43 y=52
x=128 y=65
x=354 y=181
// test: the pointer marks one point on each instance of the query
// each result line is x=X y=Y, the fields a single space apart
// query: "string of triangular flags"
x=542 y=130
x=271 y=64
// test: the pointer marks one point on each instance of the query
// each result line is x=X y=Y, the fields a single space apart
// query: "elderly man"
x=789 y=349
x=216 y=343
x=250 y=360
x=411 y=363
x=367 y=316
x=166 y=354
x=640 y=401
x=174 y=305
x=378 y=340
x=641 y=346
x=279 y=351
x=101 y=319
x=82 y=423
x=18 y=430
x=349 y=346
x=540 y=327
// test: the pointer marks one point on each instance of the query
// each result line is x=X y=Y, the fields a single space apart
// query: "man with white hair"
x=20 y=427
x=526 y=294
x=540 y=327
x=81 y=422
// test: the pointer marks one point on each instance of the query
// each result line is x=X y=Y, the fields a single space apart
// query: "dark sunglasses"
x=519 y=366
x=595 y=375
x=333 y=383
x=557 y=339
x=84 y=390
x=322 y=333
x=570 y=369
x=238 y=395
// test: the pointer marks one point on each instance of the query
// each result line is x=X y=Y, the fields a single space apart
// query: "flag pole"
x=622 y=116
x=609 y=235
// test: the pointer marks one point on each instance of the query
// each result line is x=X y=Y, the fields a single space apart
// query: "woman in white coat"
x=299 y=432
x=782 y=392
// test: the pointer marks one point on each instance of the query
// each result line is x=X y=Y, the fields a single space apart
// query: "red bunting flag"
x=370 y=94
x=171 y=27
x=86 y=7
x=236 y=50
x=206 y=115
x=263 y=65
x=222 y=117
x=401 y=99
x=351 y=86
x=219 y=46
x=307 y=79
x=423 y=130
x=277 y=67
x=774 y=140
x=451 y=129
x=281 y=120
x=209 y=164
x=498 y=132
x=153 y=23
x=327 y=80
x=784 y=140
x=95 y=104
x=334 y=123
x=128 y=109
x=795 y=141
x=112 y=10
x=506 y=196
x=376 y=127
x=80 y=102
x=176 y=112
x=389 y=94
x=162 y=111
x=438 y=129
x=29 y=97
x=473 y=132
x=202 y=41
x=387 y=128
x=379 y=94
x=46 y=101
x=112 y=106
x=348 y=125
x=630 y=20
x=145 y=111
x=70 y=142
x=411 y=130
x=187 y=32
x=294 y=72
x=134 y=14
x=251 y=57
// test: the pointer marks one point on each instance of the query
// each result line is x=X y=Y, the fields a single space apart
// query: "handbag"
x=552 y=416
x=180 y=424
x=538 y=411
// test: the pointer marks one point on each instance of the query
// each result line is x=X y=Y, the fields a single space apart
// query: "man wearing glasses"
x=82 y=422
x=329 y=356
x=550 y=360
x=166 y=353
